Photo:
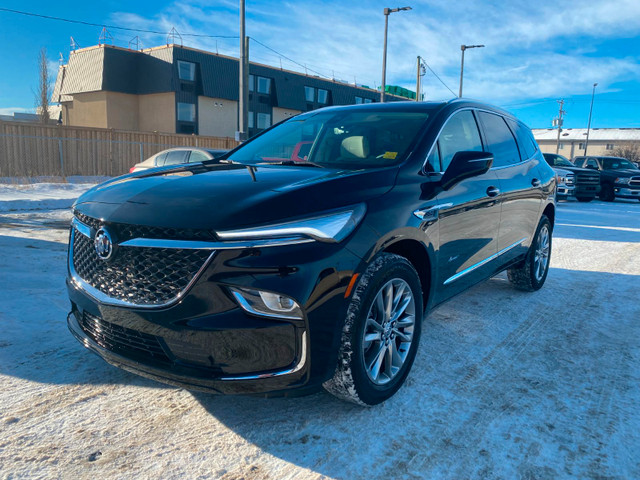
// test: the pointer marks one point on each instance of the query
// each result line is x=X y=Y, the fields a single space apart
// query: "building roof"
x=116 y=69
x=595 y=134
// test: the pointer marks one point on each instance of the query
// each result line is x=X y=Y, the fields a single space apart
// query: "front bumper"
x=564 y=191
x=205 y=341
x=626 y=192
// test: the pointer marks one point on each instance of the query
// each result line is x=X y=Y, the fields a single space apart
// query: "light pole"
x=387 y=11
x=586 y=143
x=463 y=48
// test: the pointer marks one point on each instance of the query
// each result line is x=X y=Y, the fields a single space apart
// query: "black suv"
x=619 y=178
x=265 y=271
x=581 y=183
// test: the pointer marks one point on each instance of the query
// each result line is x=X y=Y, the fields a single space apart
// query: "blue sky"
x=535 y=54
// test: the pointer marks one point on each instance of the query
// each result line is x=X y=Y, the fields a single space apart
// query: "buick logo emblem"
x=103 y=244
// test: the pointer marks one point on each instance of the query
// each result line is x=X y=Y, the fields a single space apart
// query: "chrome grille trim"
x=634 y=181
x=98 y=295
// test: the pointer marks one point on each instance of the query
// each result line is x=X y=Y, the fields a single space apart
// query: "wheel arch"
x=550 y=212
x=416 y=253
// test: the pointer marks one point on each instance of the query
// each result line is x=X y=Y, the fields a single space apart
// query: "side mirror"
x=466 y=165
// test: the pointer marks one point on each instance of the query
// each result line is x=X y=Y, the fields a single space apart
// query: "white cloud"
x=12 y=110
x=549 y=49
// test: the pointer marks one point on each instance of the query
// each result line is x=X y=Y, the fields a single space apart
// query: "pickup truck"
x=619 y=178
x=581 y=183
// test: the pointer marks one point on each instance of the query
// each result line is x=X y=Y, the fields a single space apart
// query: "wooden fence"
x=34 y=150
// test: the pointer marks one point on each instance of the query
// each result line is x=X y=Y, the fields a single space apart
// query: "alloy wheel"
x=541 y=256
x=388 y=331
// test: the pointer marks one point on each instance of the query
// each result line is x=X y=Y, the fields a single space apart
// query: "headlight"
x=332 y=227
x=565 y=179
x=623 y=180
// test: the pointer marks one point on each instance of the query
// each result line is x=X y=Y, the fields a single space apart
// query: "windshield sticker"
x=391 y=155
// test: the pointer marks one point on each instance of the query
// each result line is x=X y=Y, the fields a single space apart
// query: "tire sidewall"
x=534 y=246
x=396 y=267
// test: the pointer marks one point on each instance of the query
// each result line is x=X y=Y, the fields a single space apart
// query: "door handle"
x=535 y=182
x=493 y=191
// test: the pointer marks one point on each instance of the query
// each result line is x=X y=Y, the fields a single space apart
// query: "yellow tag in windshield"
x=390 y=155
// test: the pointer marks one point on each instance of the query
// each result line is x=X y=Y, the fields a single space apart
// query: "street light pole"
x=586 y=144
x=463 y=48
x=387 y=11
x=243 y=81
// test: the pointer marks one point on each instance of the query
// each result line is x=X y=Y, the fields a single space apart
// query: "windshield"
x=337 y=139
x=616 y=164
x=558 y=161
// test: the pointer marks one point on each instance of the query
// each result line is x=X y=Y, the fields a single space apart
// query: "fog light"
x=267 y=304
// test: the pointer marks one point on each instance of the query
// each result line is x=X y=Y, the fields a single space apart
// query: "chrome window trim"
x=296 y=368
x=483 y=262
x=107 y=300
x=473 y=109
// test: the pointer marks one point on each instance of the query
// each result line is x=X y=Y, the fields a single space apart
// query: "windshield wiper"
x=297 y=164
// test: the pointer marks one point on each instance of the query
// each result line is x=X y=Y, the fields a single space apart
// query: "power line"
x=81 y=22
x=284 y=56
x=431 y=69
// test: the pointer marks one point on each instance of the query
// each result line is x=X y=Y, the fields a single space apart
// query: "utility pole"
x=558 y=121
x=387 y=12
x=589 y=124
x=463 y=48
x=243 y=80
x=418 y=81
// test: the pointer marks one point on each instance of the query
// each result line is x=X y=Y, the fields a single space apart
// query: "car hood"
x=623 y=172
x=224 y=196
x=577 y=169
x=562 y=170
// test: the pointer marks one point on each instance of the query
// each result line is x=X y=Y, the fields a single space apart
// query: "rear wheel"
x=531 y=273
x=607 y=194
x=381 y=333
x=584 y=199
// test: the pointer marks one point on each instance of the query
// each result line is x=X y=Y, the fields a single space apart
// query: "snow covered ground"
x=506 y=384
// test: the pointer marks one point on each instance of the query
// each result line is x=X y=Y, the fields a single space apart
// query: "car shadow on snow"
x=506 y=383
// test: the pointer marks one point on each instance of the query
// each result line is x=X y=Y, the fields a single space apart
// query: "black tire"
x=526 y=275
x=607 y=194
x=584 y=199
x=352 y=380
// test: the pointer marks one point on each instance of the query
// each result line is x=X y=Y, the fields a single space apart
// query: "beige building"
x=602 y=141
x=176 y=89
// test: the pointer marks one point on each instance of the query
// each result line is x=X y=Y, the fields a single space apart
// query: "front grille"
x=137 y=275
x=587 y=179
x=121 y=340
x=634 y=181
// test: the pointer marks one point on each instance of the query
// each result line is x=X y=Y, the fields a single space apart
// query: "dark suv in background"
x=271 y=270
x=619 y=178
x=581 y=183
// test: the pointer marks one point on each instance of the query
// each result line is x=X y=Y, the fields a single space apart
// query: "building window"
x=561 y=146
x=263 y=120
x=310 y=94
x=609 y=146
x=264 y=85
x=359 y=100
x=186 y=71
x=250 y=120
x=323 y=96
x=252 y=81
x=368 y=100
x=186 y=112
x=581 y=146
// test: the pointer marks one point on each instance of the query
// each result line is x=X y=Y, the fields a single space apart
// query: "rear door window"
x=175 y=157
x=160 y=159
x=500 y=140
x=526 y=142
x=197 y=156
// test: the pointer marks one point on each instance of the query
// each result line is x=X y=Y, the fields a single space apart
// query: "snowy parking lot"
x=506 y=384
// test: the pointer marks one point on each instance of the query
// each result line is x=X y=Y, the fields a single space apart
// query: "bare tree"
x=44 y=90
x=630 y=151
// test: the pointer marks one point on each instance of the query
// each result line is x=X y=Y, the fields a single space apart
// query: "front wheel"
x=530 y=274
x=381 y=332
